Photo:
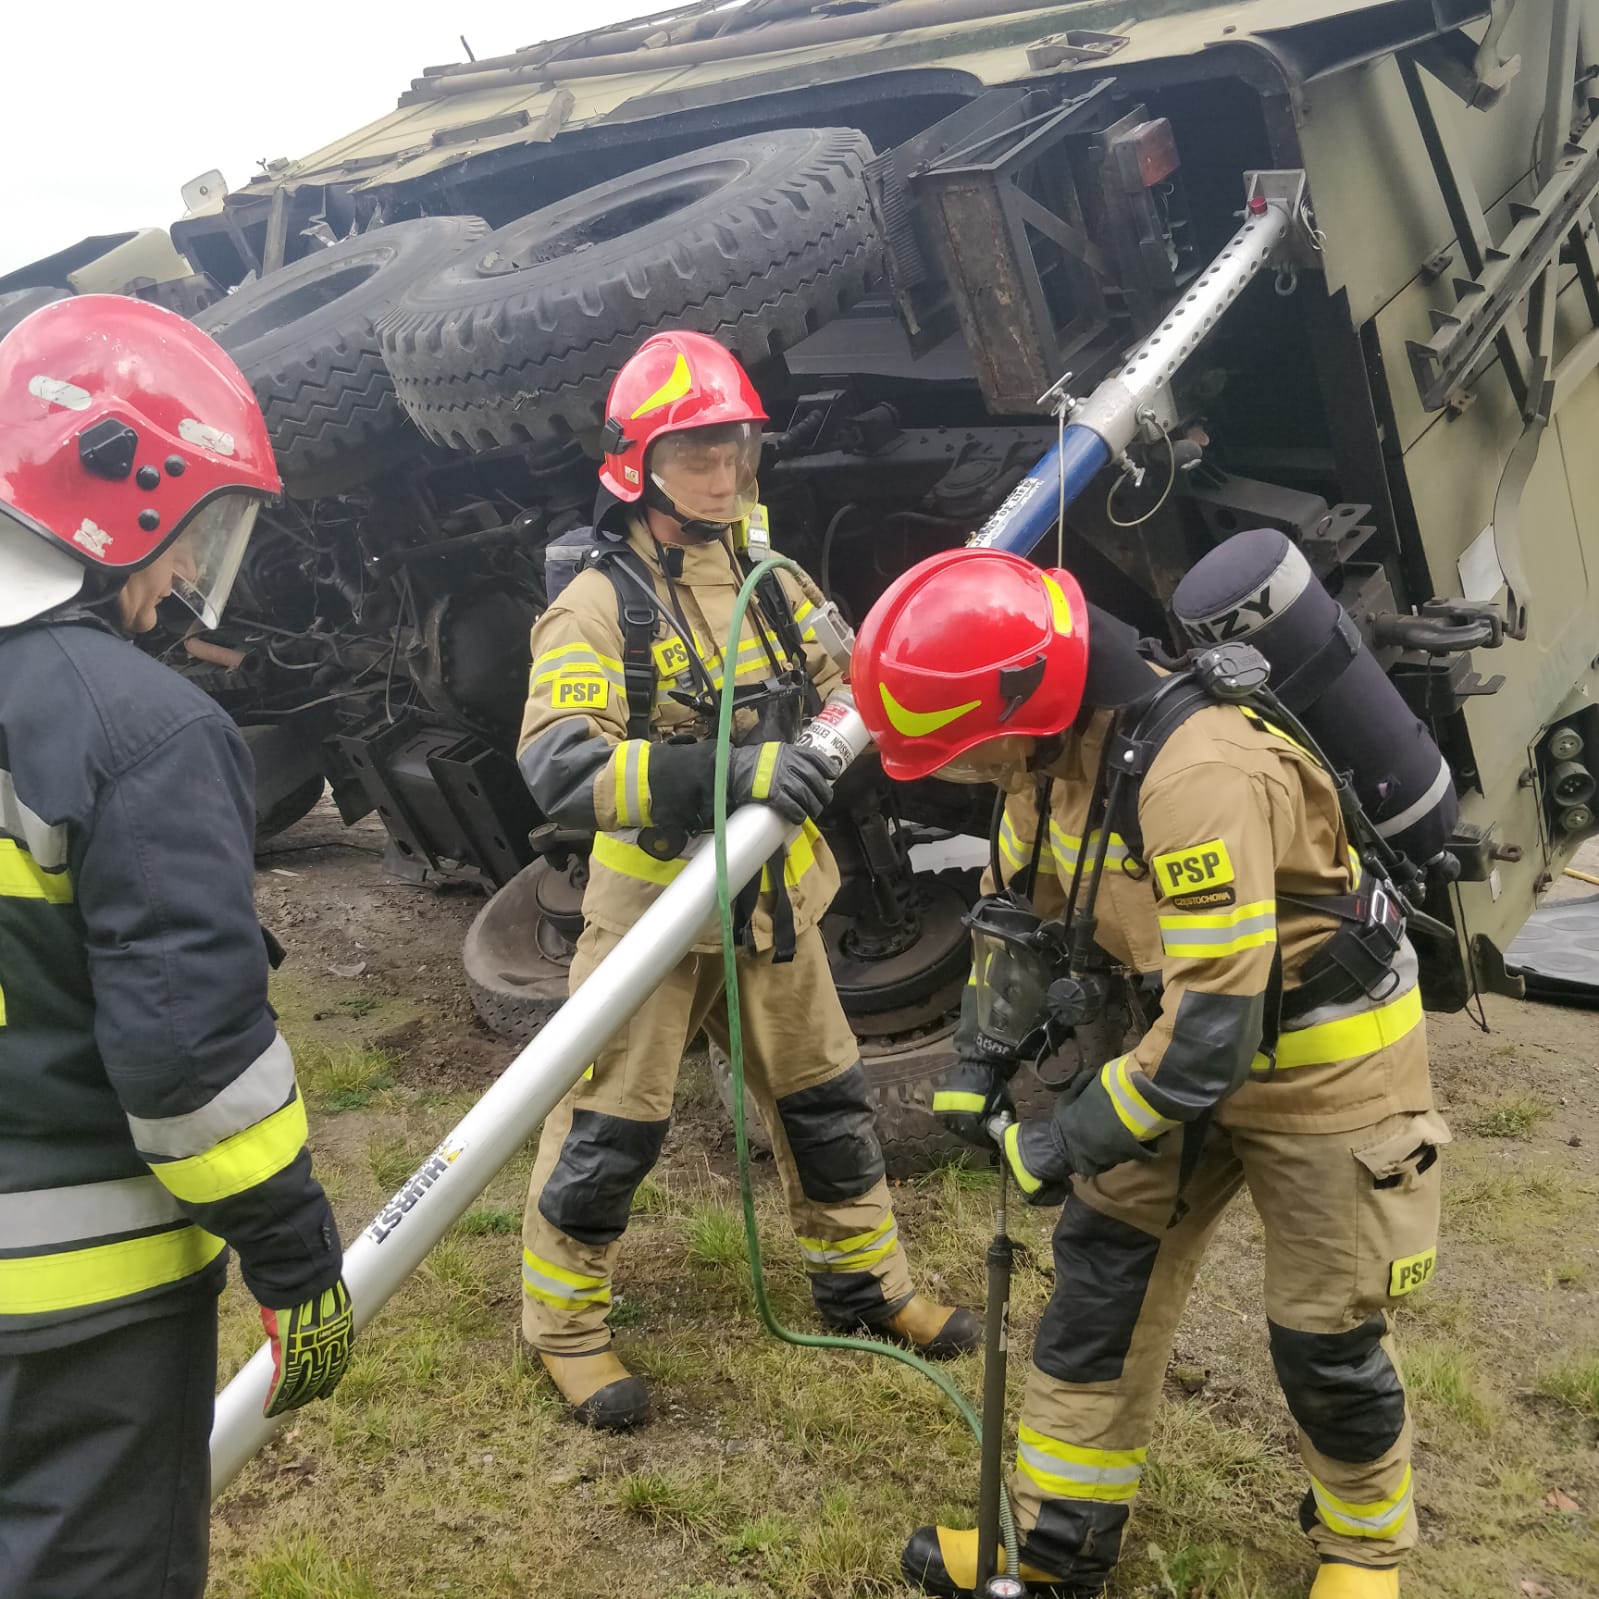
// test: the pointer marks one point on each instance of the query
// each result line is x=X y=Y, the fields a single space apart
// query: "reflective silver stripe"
x=1412 y=814
x=1342 y=1517
x=47 y=844
x=42 y=1218
x=830 y=1257
x=636 y=758
x=1175 y=930
x=554 y=1288
x=1057 y=1466
x=261 y=1088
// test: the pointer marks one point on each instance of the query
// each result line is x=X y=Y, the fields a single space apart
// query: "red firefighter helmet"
x=683 y=430
x=123 y=428
x=967 y=646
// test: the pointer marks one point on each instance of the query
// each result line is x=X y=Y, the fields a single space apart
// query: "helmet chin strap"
x=697 y=531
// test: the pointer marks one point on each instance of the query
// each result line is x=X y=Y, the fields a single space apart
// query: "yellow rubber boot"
x=1336 y=1580
x=942 y=1560
x=602 y=1392
x=934 y=1331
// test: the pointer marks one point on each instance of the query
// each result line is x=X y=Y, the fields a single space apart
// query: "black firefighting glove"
x=310 y=1348
x=1039 y=1160
x=1038 y=1151
x=974 y=1092
x=793 y=779
x=1083 y=1137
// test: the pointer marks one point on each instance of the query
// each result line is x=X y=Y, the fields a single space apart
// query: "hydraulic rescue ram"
x=1098 y=430
x=440 y=1190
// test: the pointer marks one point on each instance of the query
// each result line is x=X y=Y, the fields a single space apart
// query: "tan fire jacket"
x=1233 y=815
x=584 y=771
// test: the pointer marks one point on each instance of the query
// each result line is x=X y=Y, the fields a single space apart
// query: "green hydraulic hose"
x=735 y=1031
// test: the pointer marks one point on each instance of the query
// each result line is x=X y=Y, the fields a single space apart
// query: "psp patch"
x=581 y=693
x=1405 y=1276
x=1194 y=868
x=671 y=657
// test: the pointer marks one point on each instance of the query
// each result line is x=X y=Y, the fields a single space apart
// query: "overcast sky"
x=109 y=108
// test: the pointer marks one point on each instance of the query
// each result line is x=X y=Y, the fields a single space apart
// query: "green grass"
x=1201 y=1571
x=302 y=1568
x=345 y=1077
x=391 y=1160
x=1513 y=1116
x=714 y=1239
x=477 y=1223
x=1445 y=1382
x=1574 y=1383
x=673 y=1500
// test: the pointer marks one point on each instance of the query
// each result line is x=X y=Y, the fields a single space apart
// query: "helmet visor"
x=709 y=474
x=208 y=551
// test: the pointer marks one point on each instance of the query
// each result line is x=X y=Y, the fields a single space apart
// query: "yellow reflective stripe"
x=1229 y=918
x=22 y=877
x=1068 y=846
x=239 y=1162
x=1072 y=1471
x=949 y=1099
x=852 y=1254
x=1018 y=851
x=580 y=671
x=1379 y=1518
x=621 y=855
x=752 y=665
x=1025 y=1180
x=631 y=861
x=1210 y=935
x=1350 y=1036
x=1135 y=1113
x=1354 y=869
x=1208 y=952
x=555 y=1285
x=801 y=857
x=575 y=655
x=630 y=762
x=619 y=764
x=765 y=765
x=35 y=1284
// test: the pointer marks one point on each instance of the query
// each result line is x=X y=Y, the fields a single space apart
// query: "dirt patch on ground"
x=445 y=1464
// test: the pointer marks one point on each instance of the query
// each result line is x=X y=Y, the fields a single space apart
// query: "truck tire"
x=757 y=242
x=517 y=953
x=902 y=1077
x=18 y=303
x=303 y=336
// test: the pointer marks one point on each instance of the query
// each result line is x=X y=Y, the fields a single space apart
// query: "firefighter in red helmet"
x=1158 y=825
x=148 y=1111
x=627 y=674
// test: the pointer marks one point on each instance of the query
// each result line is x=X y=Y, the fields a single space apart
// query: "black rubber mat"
x=1558 y=953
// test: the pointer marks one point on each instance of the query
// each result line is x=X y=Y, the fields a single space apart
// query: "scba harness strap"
x=1358 y=956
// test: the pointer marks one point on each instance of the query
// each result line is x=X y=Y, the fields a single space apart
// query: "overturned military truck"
x=912 y=219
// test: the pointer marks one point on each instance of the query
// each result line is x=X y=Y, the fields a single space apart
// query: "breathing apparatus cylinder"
x=1258 y=586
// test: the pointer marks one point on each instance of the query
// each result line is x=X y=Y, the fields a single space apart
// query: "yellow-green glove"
x=310 y=1348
